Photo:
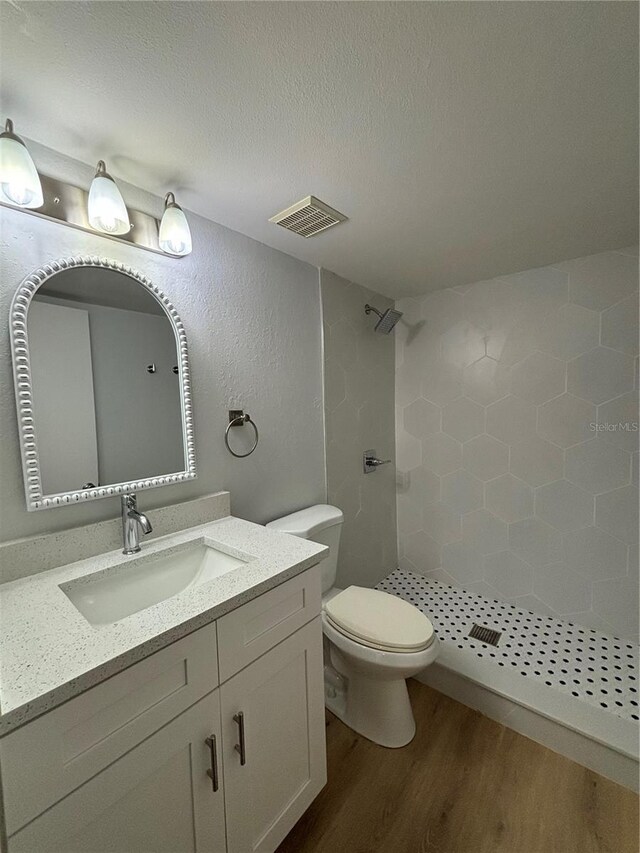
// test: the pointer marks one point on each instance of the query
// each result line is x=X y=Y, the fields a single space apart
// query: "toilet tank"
x=320 y=523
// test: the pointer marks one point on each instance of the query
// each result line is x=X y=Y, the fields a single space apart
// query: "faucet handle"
x=129 y=501
x=370 y=461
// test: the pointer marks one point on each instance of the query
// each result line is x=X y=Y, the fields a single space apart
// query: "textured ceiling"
x=463 y=140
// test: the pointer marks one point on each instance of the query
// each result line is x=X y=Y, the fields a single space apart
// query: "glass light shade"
x=106 y=207
x=19 y=179
x=174 y=236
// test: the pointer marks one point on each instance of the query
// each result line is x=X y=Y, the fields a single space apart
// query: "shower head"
x=387 y=320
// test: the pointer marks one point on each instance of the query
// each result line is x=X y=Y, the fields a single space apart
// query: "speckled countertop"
x=49 y=652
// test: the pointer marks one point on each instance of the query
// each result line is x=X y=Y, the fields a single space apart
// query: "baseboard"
x=572 y=740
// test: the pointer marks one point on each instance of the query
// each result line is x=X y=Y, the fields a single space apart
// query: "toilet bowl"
x=374 y=641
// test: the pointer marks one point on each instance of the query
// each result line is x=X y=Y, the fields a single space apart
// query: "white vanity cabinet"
x=157 y=798
x=169 y=756
x=281 y=736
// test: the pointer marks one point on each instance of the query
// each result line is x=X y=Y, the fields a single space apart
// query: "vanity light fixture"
x=174 y=236
x=106 y=208
x=101 y=210
x=19 y=180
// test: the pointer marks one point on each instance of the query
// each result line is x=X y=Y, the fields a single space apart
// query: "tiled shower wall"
x=517 y=441
x=359 y=404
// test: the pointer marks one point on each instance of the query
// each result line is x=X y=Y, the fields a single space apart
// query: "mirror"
x=102 y=384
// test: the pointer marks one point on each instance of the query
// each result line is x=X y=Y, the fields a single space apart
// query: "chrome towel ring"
x=238 y=418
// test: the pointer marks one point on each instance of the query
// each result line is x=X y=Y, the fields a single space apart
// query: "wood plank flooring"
x=466 y=784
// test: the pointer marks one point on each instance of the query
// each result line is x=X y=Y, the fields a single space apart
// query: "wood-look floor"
x=466 y=784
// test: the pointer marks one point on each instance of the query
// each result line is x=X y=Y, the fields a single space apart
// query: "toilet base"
x=366 y=687
x=378 y=710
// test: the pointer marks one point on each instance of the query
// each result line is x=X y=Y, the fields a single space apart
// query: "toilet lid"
x=381 y=619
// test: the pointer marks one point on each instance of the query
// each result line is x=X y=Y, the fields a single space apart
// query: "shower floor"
x=586 y=665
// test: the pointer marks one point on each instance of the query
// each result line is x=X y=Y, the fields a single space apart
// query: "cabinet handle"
x=240 y=747
x=213 y=772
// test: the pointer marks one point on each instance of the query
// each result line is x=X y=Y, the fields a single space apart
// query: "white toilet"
x=374 y=640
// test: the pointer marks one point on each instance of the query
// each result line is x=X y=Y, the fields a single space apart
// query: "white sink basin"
x=122 y=590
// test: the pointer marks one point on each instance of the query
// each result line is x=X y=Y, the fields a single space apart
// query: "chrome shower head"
x=387 y=320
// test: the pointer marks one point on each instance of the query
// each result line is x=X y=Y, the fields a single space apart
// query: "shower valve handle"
x=370 y=461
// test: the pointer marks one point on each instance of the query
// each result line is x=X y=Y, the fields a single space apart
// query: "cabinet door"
x=157 y=798
x=279 y=702
x=50 y=757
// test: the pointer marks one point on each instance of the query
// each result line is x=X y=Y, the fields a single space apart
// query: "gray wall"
x=252 y=317
x=359 y=393
x=517 y=437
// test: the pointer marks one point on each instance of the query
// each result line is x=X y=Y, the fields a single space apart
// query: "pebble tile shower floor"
x=596 y=668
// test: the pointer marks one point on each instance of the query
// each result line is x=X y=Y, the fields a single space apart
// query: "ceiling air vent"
x=308 y=217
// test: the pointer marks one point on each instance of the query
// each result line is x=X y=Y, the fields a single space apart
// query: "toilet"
x=374 y=641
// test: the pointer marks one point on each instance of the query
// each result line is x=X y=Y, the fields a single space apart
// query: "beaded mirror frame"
x=27 y=426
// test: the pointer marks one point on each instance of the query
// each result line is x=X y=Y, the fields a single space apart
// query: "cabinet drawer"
x=253 y=629
x=48 y=758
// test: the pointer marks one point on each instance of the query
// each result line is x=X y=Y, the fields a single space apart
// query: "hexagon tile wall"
x=517 y=439
x=359 y=399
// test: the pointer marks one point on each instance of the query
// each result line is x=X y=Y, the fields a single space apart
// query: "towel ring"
x=239 y=419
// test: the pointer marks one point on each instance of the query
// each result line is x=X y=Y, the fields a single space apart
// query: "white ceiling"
x=463 y=140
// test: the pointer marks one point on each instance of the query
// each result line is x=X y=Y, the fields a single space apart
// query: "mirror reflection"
x=106 y=384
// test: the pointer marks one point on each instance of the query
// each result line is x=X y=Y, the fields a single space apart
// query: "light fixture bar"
x=67 y=204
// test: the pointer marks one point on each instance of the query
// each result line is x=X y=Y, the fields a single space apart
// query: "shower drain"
x=485 y=635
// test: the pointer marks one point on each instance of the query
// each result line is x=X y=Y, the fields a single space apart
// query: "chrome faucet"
x=132 y=521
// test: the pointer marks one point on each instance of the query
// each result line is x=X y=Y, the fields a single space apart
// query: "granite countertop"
x=50 y=653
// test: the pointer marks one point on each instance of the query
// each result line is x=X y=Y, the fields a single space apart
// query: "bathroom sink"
x=108 y=596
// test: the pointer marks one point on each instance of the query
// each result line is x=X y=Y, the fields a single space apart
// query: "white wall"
x=517 y=433
x=252 y=317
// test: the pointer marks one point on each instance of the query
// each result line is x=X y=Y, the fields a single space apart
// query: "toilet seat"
x=379 y=620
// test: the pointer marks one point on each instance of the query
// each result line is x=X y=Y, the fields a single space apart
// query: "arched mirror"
x=102 y=383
